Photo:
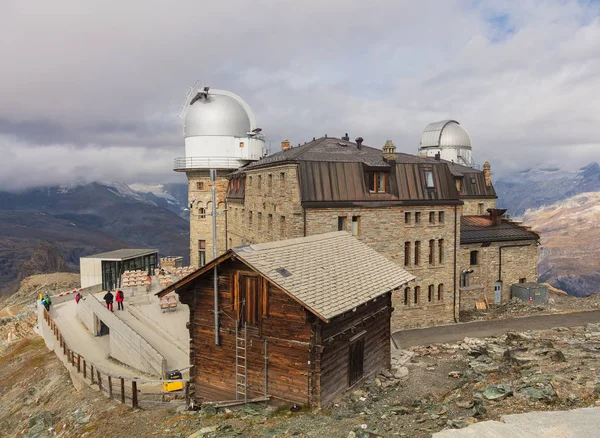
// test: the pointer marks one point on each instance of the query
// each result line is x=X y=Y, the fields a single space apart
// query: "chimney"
x=285 y=145
x=487 y=173
x=496 y=215
x=389 y=151
x=437 y=156
x=359 y=141
x=345 y=137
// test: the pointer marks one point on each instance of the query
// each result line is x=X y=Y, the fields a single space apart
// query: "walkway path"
x=456 y=332
x=579 y=423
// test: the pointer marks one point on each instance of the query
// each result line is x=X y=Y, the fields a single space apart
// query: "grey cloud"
x=93 y=84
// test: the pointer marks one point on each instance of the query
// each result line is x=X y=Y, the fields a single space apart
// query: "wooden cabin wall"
x=373 y=318
x=284 y=328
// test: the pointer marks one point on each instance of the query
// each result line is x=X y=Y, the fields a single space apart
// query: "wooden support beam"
x=92 y=373
x=84 y=369
x=99 y=379
x=134 y=394
x=122 y=390
x=110 y=387
x=79 y=363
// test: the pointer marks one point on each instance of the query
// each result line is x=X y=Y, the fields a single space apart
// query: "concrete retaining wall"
x=126 y=345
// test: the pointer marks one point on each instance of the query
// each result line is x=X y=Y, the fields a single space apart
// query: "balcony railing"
x=186 y=163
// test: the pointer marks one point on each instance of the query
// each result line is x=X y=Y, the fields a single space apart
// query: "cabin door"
x=497 y=292
x=356 y=361
x=248 y=299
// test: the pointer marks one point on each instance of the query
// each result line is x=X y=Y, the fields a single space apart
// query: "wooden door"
x=356 y=361
x=248 y=299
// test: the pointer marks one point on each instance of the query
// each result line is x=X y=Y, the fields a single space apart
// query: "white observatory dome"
x=445 y=133
x=448 y=141
x=217 y=115
x=220 y=131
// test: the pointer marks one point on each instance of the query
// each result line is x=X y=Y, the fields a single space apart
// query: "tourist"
x=48 y=301
x=109 y=300
x=77 y=297
x=45 y=304
x=120 y=298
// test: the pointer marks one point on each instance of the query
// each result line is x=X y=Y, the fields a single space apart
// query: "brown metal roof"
x=480 y=229
x=473 y=186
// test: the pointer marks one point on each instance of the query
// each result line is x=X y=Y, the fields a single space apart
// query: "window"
x=522 y=280
x=472 y=180
x=249 y=181
x=282 y=180
x=464 y=279
x=407 y=218
x=270 y=182
x=440 y=296
x=259 y=220
x=459 y=184
x=441 y=217
x=202 y=213
x=201 y=253
x=377 y=182
x=416 y=294
x=418 y=217
x=429 y=179
x=250 y=219
x=417 y=252
x=356 y=359
x=247 y=302
x=432 y=217
x=474 y=258
x=355 y=225
x=341 y=223
x=406 y=253
x=406 y=295
x=441 y=251
x=430 y=292
x=270 y=223
x=230 y=243
x=259 y=182
x=200 y=185
x=431 y=252
x=282 y=226
x=480 y=209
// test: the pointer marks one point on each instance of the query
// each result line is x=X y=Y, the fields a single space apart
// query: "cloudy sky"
x=91 y=90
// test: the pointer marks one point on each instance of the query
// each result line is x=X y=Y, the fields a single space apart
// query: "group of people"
x=46 y=301
x=109 y=298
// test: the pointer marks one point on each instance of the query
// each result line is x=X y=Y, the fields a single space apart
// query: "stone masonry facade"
x=477 y=207
x=519 y=265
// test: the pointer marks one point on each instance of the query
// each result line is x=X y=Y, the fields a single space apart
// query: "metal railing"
x=124 y=392
x=185 y=163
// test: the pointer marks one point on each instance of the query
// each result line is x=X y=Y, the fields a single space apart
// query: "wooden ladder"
x=241 y=369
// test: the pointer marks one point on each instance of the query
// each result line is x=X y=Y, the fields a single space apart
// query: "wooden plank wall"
x=373 y=318
x=284 y=327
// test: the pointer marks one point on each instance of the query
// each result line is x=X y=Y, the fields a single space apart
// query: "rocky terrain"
x=570 y=253
x=534 y=188
x=48 y=229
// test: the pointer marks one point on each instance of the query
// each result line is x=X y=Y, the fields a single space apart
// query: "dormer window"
x=429 y=179
x=377 y=182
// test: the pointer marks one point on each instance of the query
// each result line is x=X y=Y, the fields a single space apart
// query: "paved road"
x=579 y=423
x=456 y=332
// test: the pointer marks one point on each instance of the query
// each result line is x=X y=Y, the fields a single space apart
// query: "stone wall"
x=200 y=200
x=271 y=209
x=517 y=263
x=386 y=230
x=477 y=206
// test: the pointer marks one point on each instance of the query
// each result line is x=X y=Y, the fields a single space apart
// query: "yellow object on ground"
x=173 y=386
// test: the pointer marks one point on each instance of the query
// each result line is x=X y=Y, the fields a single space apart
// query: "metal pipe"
x=455 y=230
x=213 y=178
x=266 y=368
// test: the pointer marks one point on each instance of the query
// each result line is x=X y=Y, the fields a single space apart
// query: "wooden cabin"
x=300 y=320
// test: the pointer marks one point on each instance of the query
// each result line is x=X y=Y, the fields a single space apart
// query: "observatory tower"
x=448 y=139
x=220 y=136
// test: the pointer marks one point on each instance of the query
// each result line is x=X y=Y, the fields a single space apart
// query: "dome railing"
x=184 y=163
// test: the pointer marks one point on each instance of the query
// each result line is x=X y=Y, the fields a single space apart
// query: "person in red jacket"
x=120 y=299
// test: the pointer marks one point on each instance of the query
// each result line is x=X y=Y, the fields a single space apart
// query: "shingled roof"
x=330 y=273
x=480 y=229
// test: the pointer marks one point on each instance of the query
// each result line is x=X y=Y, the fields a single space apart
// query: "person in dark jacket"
x=109 y=297
x=120 y=299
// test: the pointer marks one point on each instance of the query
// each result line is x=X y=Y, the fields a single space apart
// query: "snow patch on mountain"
x=157 y=190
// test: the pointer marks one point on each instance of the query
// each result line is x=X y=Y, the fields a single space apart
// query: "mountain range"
x=47 y=229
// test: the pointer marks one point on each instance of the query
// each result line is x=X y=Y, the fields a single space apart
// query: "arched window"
x=417 y=293
x=202 y=212
x=406 y=295
x=440 y=296
x=474 y=258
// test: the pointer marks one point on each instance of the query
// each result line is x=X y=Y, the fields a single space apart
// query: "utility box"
x=530 y=292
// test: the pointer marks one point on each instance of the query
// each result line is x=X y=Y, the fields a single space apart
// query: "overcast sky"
x=91 y=90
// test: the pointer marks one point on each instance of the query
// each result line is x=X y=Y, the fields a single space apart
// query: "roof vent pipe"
x=437 y=156
x=345 y=137
x=359 y=141
x=496 y=215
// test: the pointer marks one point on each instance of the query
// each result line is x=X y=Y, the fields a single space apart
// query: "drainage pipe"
x=213 y=178
x=455 y=231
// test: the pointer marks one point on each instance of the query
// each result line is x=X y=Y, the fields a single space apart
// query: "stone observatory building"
x=433 y=213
